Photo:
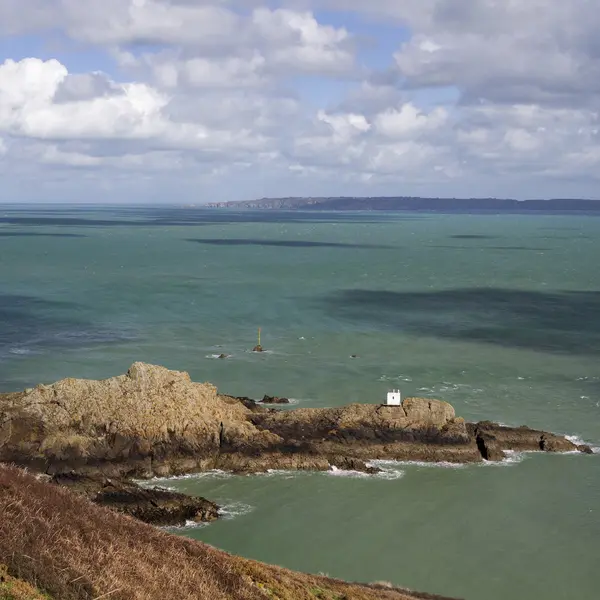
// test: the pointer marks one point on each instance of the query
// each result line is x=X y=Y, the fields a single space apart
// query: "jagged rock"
x=353 y=464
x=155 y=506
x=129 y=424
x=520 y=438
x=274 y=400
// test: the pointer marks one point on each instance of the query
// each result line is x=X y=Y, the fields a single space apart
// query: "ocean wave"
x=189 y=525
x=579 y=441
x=383 y=464
x=335 y=472
x=449 y=387
x=512 y=457
x=100 y=335
x=213 y=356
x=232 y=510
x=283 y=473
x=406 y=378
x=390 y=474
x=575 y=439
x=22 y=351
x=158 y=481
x=389 y=469
x=295 y=401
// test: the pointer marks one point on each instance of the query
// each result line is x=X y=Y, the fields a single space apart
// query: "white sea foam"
x=295 y=401
x=579 y=441
x=234 y=509
x=335 y=472
x=159 y=481
x=383 y=464
x=389 y=469
x=189 y=525
x=512 y=457
x=406 y=378
x=21 y=351
x=390 y=474
x=212 y=356
x=282 y=473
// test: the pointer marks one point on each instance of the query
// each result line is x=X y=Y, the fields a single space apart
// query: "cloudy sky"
x=193 y=101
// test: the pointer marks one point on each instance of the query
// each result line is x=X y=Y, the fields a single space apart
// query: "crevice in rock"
x=481 y=446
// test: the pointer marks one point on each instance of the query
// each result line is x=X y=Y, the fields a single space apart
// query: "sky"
x=194 y=101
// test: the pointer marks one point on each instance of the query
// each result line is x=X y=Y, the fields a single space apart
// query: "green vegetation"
x=15 y=589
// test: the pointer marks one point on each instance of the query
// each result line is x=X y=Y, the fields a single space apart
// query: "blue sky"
x=192 y=101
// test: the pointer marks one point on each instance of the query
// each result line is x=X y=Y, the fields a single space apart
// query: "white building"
x=394 y=398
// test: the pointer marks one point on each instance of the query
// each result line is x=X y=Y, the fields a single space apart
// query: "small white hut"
x=394 y=398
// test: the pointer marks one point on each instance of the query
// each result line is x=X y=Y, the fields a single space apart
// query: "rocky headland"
x=96 y=436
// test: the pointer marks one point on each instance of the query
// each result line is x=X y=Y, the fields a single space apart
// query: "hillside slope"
x=76 y=550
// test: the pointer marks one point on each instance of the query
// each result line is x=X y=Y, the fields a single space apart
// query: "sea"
x=498 y=314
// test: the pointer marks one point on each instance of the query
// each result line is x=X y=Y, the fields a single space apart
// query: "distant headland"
x=418 y=204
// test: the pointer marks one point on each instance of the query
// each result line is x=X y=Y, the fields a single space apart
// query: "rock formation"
x=156 y=422
x=274 y=400
x=155 y=506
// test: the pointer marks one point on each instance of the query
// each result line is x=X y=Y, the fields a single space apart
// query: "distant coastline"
x=418 y=204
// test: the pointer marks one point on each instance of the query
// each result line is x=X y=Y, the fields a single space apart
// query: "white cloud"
x=477 y=97
x=134 y=111
x=28 y=107
x=408 y=120
x=299 y=42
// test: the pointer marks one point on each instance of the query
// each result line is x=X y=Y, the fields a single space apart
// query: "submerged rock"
x=353 y=464
x=274 y=400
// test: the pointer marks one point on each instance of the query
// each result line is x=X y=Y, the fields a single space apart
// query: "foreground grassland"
x=76 y=550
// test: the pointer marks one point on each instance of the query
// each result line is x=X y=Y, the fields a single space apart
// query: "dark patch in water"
x=479 y=248
x=36 y=234
x=30 y=324
x=279 y=243
x=473 y=236
x=564 y=237
x=159 y=217
x=557 y=322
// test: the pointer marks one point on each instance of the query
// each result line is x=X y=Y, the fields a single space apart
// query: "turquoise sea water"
x=497 y=314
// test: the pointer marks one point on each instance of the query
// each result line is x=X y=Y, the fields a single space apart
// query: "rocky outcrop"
x=155 y=506
x=148 y=421
x=156 y=422
x=492 y=439
x=274 y=400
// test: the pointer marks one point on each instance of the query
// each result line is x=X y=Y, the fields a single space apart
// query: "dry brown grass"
x=75 y=550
